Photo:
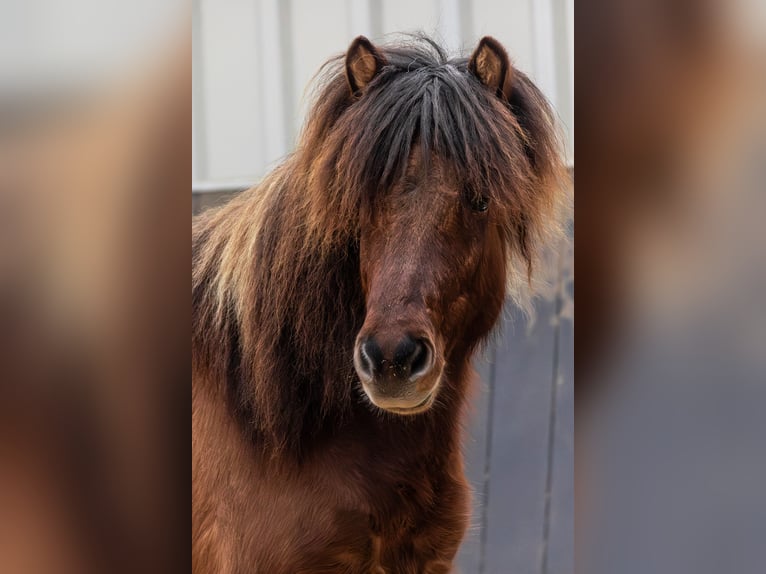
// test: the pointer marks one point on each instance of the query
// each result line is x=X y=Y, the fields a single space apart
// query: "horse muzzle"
x=399 y=373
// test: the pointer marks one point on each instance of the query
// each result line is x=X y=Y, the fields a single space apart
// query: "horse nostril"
x=408 y=359
x=412 y=357
x=371 y=358
x=421 y=360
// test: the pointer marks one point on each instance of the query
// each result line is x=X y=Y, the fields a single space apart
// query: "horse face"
x=433 y=248
x=433 y=276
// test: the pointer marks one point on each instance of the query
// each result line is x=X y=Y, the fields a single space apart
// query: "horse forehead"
x=427 y=203
x=428 y=168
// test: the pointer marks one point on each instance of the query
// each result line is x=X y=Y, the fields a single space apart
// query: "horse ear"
x=490 y=63
x=363 y=62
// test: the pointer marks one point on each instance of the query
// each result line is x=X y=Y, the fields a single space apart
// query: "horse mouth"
x=418 y=408
x=394 y=408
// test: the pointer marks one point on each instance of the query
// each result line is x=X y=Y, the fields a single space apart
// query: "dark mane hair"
x=276 y=288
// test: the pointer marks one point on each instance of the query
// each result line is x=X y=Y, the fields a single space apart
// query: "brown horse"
x=337 y=304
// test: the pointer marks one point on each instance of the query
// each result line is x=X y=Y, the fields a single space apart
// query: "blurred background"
x=671 y=341
x=95 y=101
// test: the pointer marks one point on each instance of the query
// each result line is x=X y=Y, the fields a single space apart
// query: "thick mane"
x=277 y=299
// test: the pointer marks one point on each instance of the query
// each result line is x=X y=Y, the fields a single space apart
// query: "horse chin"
x=404 y=406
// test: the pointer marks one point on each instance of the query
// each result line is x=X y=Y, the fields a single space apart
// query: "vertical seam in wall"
x=533 y=19
x=349 y=18
x=466 y=23
x=448 y=25
x=260 y=81
x=198 y=89
x=560 y=47
x=487 y=463
x=552 y=416
x=366 y=25
x=288 y=68
x=376 y=19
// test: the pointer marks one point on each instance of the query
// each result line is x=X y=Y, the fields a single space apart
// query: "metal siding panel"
x=560 y=539
x=466 y=25
x=409 y=16
x=230 y=92
x=359 y=18
x=562 y=53
x=273 y=65
x=199 y=140
x=561 y=49
x=475 y=451
x=544 y=48
x=319 y=31
x=519 y=452
x=511 y=23
x=449 y=25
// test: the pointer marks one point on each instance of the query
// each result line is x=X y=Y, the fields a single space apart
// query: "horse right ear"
x=363 y=63
x=490 y=63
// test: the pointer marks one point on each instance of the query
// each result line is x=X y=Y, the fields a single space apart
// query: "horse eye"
x=480 y=204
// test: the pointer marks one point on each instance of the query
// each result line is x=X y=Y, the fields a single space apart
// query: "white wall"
x=254 y=59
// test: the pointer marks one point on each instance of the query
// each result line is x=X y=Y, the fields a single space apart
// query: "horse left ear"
x=489 y=62
x=363 y=62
